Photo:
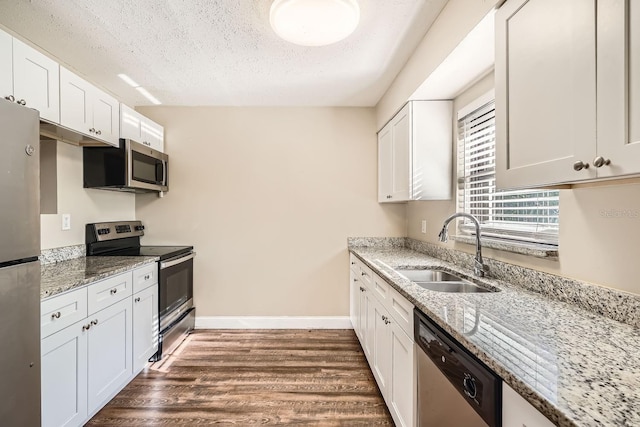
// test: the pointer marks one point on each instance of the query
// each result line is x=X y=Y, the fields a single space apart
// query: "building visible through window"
x=522 y=215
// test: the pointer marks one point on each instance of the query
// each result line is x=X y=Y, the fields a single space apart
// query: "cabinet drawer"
x=109 y=291
x=144 y=277
x=366 y=276
x=401 y=310
x=59 y=312
x=380 y=289
x=354 y=264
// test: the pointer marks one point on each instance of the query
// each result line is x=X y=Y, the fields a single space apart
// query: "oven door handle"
x=168 y=264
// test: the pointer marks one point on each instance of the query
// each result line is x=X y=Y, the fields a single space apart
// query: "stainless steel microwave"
x=130 y=167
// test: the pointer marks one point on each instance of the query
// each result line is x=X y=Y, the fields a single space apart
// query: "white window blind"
x=523 y=215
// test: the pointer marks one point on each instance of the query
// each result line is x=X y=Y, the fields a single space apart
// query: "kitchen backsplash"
x=64 y=253
x=612 y=303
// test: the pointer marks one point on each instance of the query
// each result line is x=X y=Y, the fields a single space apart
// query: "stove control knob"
x=139 y=227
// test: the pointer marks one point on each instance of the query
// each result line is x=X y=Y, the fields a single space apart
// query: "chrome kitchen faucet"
x=479 y=268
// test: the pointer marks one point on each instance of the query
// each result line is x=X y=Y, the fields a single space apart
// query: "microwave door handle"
x=164 y=172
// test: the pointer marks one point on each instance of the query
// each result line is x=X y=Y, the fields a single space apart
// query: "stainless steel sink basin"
x=416 y=275
x=458 y=287
x=441 y=281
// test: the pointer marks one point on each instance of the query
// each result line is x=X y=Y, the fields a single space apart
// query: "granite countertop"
x=577 y=367
x=63 y=276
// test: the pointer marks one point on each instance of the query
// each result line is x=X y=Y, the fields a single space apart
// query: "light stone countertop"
x=577 y=367
x=59 y=277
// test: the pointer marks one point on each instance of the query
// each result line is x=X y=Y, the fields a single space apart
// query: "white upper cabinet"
x=139 y=128
x=36 y=81
x=87 y=109
x=567 y=98
x=619 y=87
x=6 y=65
x=414 y=153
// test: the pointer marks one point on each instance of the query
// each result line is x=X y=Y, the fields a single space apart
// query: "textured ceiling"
x=221 y=52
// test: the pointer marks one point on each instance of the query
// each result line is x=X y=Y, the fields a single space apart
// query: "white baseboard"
x=273 y=322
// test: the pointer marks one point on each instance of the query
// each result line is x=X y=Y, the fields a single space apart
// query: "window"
x=522 y=215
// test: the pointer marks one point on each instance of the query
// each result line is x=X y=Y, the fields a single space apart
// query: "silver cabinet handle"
x=113 y=291
x=86 y=327
x=92 y=130
x=55 y=315
x=601 y=161
x=364 y=273
x=579 y=165
x=98 y=132
x=94 y=322
x=147 y=277
x=148 y=144
x=22 y=102
x=362 y=289
x=10 y=98
x=137 y=299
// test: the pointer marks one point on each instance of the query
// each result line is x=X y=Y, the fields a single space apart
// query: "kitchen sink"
x=441 y=281
x=458 y=287
x=416 y=275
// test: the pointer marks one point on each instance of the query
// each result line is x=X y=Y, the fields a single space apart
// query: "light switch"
x=66 y=222
x=424 y=226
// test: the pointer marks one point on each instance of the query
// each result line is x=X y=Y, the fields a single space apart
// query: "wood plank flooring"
x=256 y=377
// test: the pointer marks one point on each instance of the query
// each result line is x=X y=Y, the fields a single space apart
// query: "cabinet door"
x=75 y=102
x=36 y=81
x=545 y=77
x=366 y=323
x=130 y=123
x=354 y=302
x=106 y=117
x=385 y=166
x=381 y=346
x=152 y=134
x=401 y=155
x=109 y=353
x=401 y=391
x=619 y=87
x=145 y=327
x=6 y=65
x=517 y=412
x=64 y=377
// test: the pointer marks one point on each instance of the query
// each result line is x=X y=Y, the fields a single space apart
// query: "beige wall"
x=84 y=205
x=599 y=227
x=268 y=197
x=455 y=21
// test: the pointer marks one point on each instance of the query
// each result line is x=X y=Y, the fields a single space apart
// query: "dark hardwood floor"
x=256 y=377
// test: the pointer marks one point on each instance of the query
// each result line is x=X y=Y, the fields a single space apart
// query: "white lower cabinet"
x=517 y=412
x=64 y=377
x=88 y=362
x=385 y=330
x=145 y=327
x=109 y=353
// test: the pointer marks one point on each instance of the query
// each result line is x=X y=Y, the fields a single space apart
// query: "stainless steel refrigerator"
x=19 y=265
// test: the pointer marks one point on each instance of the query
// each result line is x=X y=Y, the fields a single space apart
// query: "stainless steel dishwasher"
x=455 y=389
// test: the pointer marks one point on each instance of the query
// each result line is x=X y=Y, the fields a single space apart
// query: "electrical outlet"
x=66 y=222
x=423 y=228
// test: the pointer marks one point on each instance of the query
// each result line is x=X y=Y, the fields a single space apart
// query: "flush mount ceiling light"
x=314 y=22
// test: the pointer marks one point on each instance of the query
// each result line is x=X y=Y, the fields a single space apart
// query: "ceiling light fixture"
x=314 y=22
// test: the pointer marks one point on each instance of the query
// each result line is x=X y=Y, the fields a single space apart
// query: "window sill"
x=537 y=250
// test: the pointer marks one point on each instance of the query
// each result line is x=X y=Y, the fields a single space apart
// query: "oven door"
x=147 y=168
x=176 y=288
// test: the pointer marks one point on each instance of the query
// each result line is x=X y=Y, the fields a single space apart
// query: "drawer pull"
x=137 y=299
x=364 y=274
x=94 y=322
x=113 y=291
x=86 y=327
x=147 y=277
x=55 y=315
